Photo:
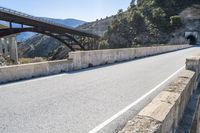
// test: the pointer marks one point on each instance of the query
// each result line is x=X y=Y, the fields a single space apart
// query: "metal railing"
x=39 y=19
x=20 y=14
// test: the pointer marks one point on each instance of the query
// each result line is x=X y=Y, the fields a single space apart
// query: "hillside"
x=97 y=27
x=145 y=24
x=38 y=45
x=35 y=46
x=24 y=36
x=192 y=12
x=68 y=22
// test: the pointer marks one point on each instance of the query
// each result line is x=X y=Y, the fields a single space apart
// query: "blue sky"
x=87 y=10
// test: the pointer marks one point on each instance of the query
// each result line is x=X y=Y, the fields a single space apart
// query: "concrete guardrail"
x=26 y=71
x=174 y=110
x=81 y=60
x=84 y=59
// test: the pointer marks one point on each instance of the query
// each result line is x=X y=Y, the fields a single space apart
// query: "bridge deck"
x=26 y=19
x=77 y=102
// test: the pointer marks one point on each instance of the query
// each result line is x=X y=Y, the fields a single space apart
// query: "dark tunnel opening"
x=192 y=39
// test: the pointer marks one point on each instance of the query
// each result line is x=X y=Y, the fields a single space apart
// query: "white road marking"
x=102 y=125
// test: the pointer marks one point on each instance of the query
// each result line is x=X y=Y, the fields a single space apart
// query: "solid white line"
x=102 y=125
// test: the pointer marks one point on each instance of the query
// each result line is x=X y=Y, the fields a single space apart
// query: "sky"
x=87 y=10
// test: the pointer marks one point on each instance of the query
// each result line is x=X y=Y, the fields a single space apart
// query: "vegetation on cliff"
x=149 y=22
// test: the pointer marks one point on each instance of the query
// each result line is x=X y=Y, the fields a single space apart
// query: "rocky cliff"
x=38 y=45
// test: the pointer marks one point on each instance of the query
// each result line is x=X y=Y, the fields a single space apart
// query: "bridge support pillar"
x=13 y=49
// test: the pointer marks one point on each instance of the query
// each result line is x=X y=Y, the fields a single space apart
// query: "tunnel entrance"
x=192 y=39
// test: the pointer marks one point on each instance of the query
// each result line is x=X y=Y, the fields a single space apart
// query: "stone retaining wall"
x=167 y=113
x=80 y=60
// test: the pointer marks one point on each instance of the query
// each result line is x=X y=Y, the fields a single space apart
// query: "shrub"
x=175 y=21
x=31 y=60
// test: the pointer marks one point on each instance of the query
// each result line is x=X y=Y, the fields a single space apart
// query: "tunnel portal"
x=192 y=37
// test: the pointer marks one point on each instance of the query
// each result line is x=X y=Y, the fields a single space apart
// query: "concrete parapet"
x=193 y=63
x=26 y=71
x=84 y=59
x=190 y=122
x=176 y=109
x=166 y=110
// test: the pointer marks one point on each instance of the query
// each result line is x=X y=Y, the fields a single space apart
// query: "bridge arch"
x=45 y=26
x=64 y=38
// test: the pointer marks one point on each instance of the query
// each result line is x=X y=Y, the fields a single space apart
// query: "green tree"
x=120 y=11
x=137 y=23
x=132 y=3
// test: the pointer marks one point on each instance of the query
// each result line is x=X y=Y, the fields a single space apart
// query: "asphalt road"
x=78 y=102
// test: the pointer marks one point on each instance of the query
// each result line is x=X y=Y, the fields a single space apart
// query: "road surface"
x=87 y=100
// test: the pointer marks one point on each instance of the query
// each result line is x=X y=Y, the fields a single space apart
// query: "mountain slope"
x=97 y=27
x=70 y=22
x=38 y=45
x=145 y=24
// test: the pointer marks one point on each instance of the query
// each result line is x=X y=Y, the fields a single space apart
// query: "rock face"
x=191 y=23
x=191 y=18
x=25 y=35
x=2 y=60
x=43 y=46
x=39 y=46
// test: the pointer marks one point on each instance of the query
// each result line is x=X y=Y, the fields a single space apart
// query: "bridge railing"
x=44 y=20
x=20 y=14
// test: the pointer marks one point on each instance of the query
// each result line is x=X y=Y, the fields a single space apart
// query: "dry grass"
x=31 y=60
